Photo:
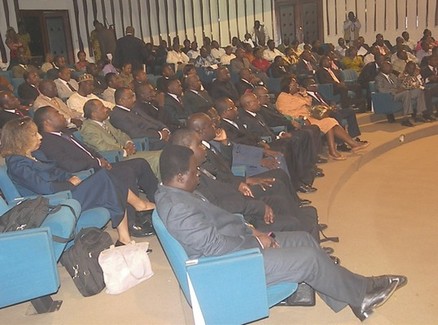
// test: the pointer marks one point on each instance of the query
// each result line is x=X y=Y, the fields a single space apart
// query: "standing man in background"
x=130 y=49
x=351 y=28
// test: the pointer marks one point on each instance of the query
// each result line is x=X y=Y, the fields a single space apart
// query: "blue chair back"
x=16 y=82
x=28 y=265
x=229 y=289
x=8 y=188
x=349 y=75
x=111 y=155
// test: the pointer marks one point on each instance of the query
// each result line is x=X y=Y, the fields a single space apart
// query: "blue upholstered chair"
x=29 y=270
x=28 y=258
x=97 y=217
x=383 y=103
x=228 y=289
x=16 y=82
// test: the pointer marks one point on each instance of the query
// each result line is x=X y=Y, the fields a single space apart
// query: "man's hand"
x=130 y=148
x=75 y=180
x=245 y=190
x=267 y=241
x=271 y=153
x=285 y=135
x=221 y=135
x=264 y=183
x=270 y=163
x=269 y=215
x=76 y=122
x=165 y=134
x=105 y=164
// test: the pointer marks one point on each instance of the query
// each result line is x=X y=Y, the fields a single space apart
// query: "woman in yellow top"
x=352 y=60
x=293 y=101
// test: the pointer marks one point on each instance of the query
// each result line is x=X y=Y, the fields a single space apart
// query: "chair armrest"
x=28 y=266
x=244 y=272
x=112 y=156
x=141 y=144
x=54 y=198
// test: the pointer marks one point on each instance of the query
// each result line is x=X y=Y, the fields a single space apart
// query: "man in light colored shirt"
x=228 y=56
x=177 y=57
x=113 y=81
x=271 y=52
x=85 y=92
x=216 y=51
x=65 y=85
x=49 y=97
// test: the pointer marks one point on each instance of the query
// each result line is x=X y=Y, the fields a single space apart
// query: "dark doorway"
x=300 y=19
x=49 y=32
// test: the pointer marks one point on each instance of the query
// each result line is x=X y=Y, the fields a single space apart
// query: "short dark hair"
x=119 y=93
x=89 y=107
x=40 y=116
x=182 y=137
x=174 y=160
x=109 y=76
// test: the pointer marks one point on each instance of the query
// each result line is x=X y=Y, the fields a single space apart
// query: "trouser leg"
x=300 y=259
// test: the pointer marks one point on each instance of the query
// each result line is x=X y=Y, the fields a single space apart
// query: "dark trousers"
x=349 y=115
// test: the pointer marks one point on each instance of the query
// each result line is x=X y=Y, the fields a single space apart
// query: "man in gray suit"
x=204 y=229
x=387 y=82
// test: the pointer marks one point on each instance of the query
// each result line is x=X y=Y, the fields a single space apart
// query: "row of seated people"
x=268 y=200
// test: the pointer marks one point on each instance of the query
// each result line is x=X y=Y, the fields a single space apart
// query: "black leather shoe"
x=318 y=173
x=144 y=216
x=375 y=298
x=390 y=118
x=407 y=123
x=142 y=230
x=382 y=281
x=343 y=147
x=420 y=119
x=306 y=189
x=321 y=160
x=335 y=259
x=429 y=118
x=304 y=202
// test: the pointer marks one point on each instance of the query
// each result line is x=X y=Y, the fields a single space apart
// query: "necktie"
x=107 y=129
x=76 y=143
x=332 y=74
x=71 y=87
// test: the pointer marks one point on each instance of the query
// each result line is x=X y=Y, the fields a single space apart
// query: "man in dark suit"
x=219 y=161
x=130 y=49
x=325 y=75
x=74 y=156
x=136 y=124
x=204 y=229
x=147 y=102
x=9 y=105
x=176 y=113
x=429 y=73
x=269 y=213
x=306 y=66
x=222 y=86
x=297 y=148
x=195 y=98
x=28 y=90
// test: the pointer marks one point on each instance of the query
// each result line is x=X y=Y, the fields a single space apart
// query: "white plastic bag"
x=125 y=266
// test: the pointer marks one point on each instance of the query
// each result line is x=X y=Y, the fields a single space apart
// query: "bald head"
x=47 y=87
x=202 y=124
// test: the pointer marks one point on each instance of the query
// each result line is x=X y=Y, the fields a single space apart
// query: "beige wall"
x=334 y=12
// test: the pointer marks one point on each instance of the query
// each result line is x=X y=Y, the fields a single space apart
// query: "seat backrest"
x=7 y=187
x=175 y=253
x=372 y=86
x=28 y=265
x=349 y=75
